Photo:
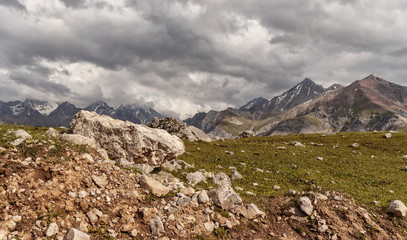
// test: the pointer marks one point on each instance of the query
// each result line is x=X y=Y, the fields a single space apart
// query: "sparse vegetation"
x=367 y=173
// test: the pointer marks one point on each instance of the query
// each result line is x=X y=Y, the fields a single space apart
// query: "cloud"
x=189 y=55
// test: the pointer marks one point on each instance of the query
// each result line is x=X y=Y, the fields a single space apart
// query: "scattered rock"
x=404 y=168
x=52 y=229
x=174 y=165
x=187 y=191
x=136 y=143
x=229 y=152
x=17 y=142
x=195 y=178
x=209 y=226
x=156 y=225
x=297 y=144
x=404 y=157
x=154 y=186
x=144 y=168
x=387 y=135
x=323 y=228
x=100 y=181
x=179 y=129
x=319 y=158
x=221 y=179
x=398 y=208
x=305 y=205
x=20 y=133
x=75 y=234
x=236 y=175
x=250 y=211
x=354 y=145
x=203 y=197
x=225 y=197
x=246 y=134
x=52 y=133
x=276 y=187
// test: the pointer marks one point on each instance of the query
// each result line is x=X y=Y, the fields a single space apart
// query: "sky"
x=184 y=56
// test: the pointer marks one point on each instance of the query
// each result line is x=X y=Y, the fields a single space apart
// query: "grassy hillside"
x=370 y=172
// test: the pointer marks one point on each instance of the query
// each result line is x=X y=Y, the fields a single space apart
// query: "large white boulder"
x=136 y=143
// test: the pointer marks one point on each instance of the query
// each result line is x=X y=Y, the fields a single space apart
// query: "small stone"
x=52 y=229
x=321 y=196
x=155 y=186
x=133 y=233
x=404 y=168
x=276 y=187
x=292 y=192
x=398 y=208
x=82 y=194
x=92 y=217
x=156 y=225
x=404 y=157
x=100 y=181
x=319 y=158
x=305 y=205
x=75 y=234
x=203 y=197
x=187 y=191
x=297 y=144
x=20 y=133
x=16 y=219
x=229 y=152
x=72 y=194
x=323 y=228
x=209 y=226
x=376 y=203
x=195 y=178
x=236 y=175
x=387 y=135
x=354 y=145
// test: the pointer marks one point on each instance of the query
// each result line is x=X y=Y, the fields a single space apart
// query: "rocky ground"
x=51 y=188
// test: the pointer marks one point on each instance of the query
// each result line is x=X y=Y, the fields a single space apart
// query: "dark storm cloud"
x=198 y=54
x=12 y=3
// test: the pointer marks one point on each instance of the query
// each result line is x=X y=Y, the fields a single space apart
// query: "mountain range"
x=369 y=104
x=40 y=113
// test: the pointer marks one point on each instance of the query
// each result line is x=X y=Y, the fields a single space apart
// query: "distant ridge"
x=40 y=113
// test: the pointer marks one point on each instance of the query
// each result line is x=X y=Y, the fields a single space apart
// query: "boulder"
x=154 y=186
x=180 y=129
x=75 y=234
x=246 y=134
x=398 y=208
x=136 y=143
x=305 y=205
x=225 y=197
x=387 y=135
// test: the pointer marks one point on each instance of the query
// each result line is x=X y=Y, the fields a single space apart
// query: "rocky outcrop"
x=136 y=143
x=180 y=129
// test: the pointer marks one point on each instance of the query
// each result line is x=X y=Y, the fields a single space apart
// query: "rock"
x=174 y=165
x=187 y=191
x=156 y=225
x=88 y=157
x=20 y=133
x=133 y=233
x=3 y=234
x=354 y=145
x=319 y=158
x=17 y=142
x=276 y=187
x=154 y=186
x=404 y=157
x=180 y=129
x=75 y=234
x=387 y=135
x=82 y=194
x=398 y=208
x=225 y=197
x=136 y=143
x=52 y=229
x=144 y=168
x=236 y=175
x=250 y=211
x=195 y=178
x=79 y=140
x=100 y=181
x=321 y=196
x=52 y=132
x=229 y=152
x=297 y=144
x=203 y=197
x=221 y=179
x=404 y=168
x=92 y=217
x=183 y=200
x=323 y=228
x=246 y=134
x=292 y=192
x=305 y=205
x=209 y=226
x=124 y=163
